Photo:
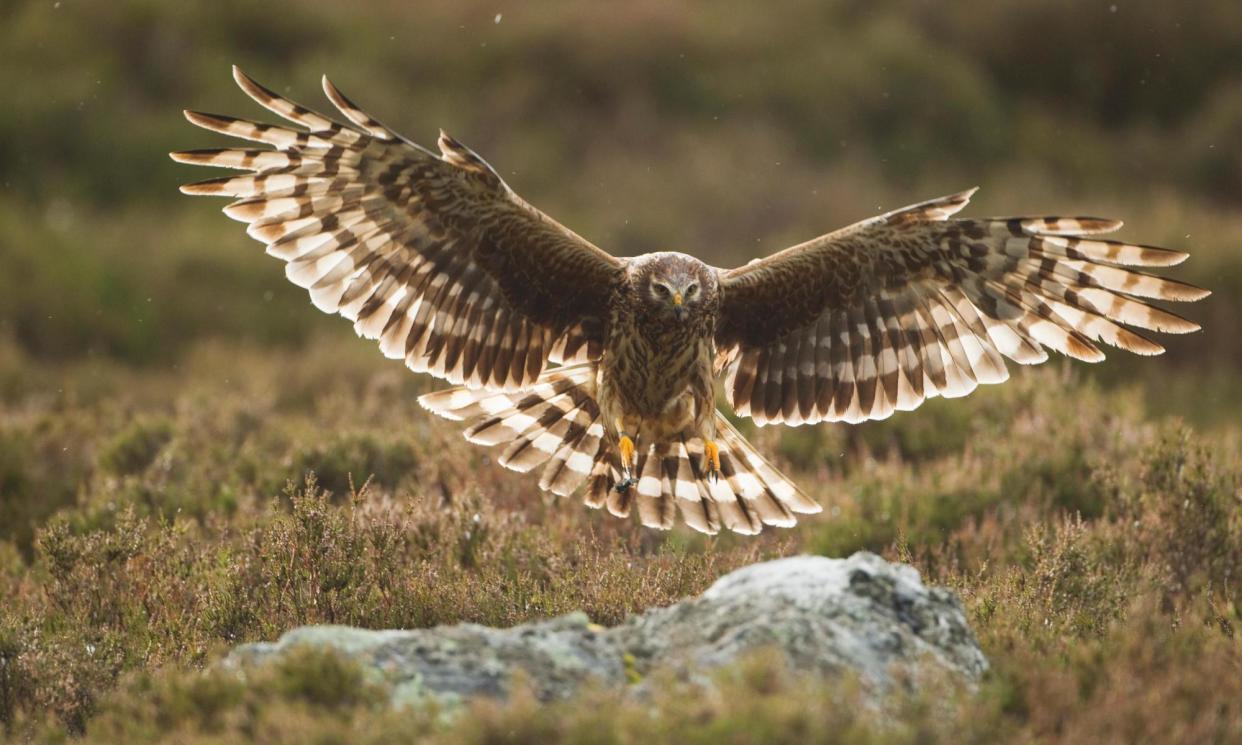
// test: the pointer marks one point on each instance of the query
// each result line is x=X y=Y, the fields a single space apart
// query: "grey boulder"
x=862 y=615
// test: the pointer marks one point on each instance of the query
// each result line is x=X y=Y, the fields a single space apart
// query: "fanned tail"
x=556 y=424
x=672 y=478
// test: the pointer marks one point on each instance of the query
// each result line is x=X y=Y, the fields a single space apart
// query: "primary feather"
x=434 y=256
x=879 y=316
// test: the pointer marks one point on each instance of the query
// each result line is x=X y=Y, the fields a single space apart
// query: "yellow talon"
x=712 y=452
x=626 y=446
x=627 y=451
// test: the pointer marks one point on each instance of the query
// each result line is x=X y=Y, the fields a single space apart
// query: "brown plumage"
x=603 y=370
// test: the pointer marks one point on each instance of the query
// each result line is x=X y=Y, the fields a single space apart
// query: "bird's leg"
x=626 y=446
x=712 y=451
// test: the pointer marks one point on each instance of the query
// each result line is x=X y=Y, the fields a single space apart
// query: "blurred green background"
x=161 y=382
x=728 y=130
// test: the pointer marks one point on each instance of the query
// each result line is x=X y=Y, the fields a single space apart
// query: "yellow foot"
x=712 y=451
x=627 y=451
x=626 y=446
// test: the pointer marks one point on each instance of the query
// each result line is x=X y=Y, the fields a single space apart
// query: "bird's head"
x=673 y=285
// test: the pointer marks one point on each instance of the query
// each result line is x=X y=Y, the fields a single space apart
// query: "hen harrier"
x=606 y=368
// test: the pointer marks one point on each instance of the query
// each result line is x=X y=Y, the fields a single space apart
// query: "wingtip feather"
x=1094 y=225
x=249 y=85
x=1188 y=293
x=334 y=94
x=354 y=113
x=213 y=122
x=200 y=157
x=1159 y=256
x=209 y=187
x=1153 y=256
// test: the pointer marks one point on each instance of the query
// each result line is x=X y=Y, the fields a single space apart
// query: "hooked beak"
x=677 y=299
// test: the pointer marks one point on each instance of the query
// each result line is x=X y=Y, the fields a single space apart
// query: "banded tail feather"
x=556 y=424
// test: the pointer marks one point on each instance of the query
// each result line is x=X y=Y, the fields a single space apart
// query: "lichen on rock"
x=861 y=615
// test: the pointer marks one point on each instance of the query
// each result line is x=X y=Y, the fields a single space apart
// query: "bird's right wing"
x=915 y=303
x=433 y=255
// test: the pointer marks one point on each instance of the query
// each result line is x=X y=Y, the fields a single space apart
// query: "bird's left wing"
x=433 y=255
x=881 y=315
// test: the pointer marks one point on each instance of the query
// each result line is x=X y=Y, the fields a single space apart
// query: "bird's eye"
x=691 y=290
x=661 y=289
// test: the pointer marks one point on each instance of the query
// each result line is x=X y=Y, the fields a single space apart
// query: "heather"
x=191 y=456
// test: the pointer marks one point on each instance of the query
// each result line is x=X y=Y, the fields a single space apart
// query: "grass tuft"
x=1091 y=543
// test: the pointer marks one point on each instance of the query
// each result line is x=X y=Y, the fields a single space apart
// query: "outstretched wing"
x=434 y=256
x=881 y=315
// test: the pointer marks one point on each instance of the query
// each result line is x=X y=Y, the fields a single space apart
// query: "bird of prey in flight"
x=605 y=370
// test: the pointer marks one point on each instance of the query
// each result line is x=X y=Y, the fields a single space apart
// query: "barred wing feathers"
x=433 y=255
x=881 y=315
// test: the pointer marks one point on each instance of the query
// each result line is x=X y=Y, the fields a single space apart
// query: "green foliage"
x=192 y=457
x=341 y=454
x=135 y=447
x=826 y=112
x=321 y=690
x=318 y=697
x=1092 y=544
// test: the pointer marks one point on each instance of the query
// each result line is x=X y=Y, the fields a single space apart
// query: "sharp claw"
x=626 y=446
x=712 y=451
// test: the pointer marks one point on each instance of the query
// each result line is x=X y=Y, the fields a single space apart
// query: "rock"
x=826 y=616
x=862 y=614
x=452 y=663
